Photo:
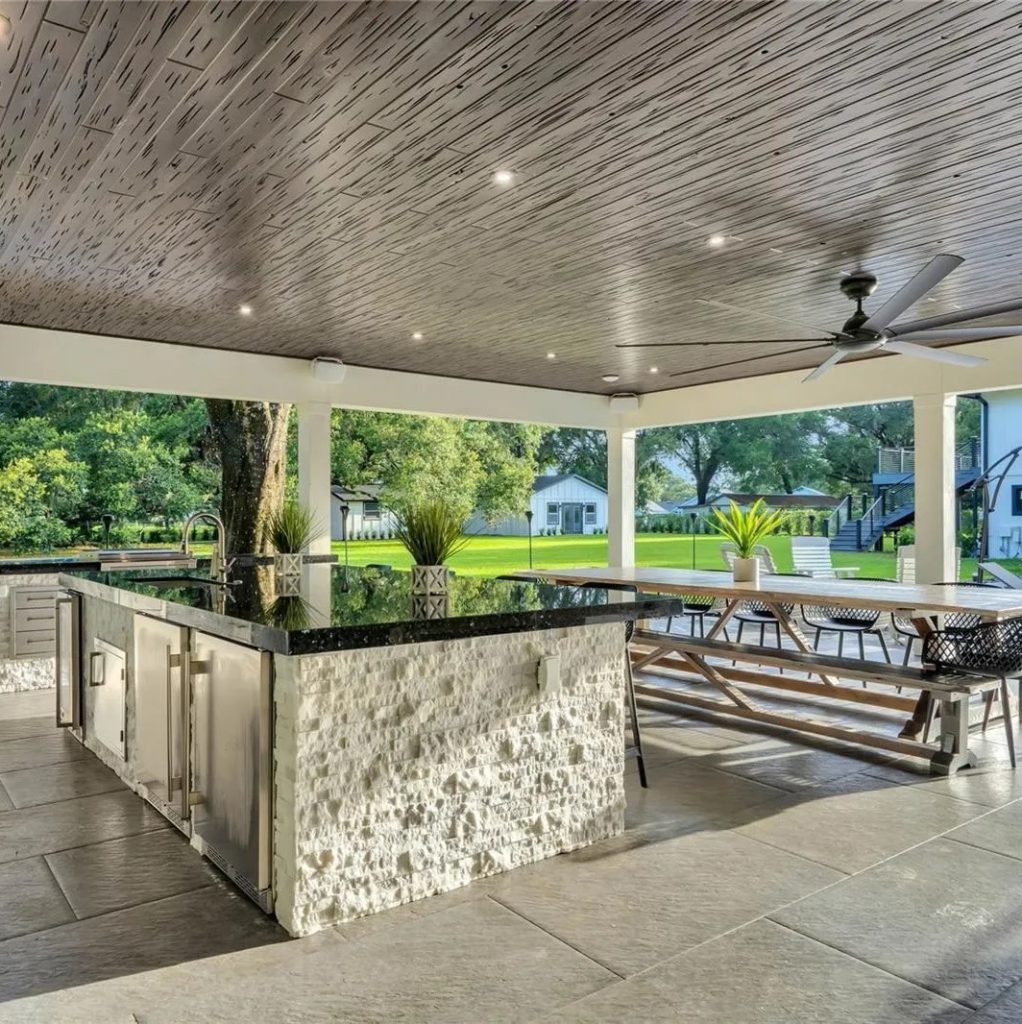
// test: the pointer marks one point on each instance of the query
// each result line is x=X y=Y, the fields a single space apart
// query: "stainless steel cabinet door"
x=67 y=662
x=231 y=756
x=161 y=715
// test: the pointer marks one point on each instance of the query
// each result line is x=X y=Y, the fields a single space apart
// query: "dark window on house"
x=371 y=510
x=553 y=514
x=591 y=514
x=1016 y=500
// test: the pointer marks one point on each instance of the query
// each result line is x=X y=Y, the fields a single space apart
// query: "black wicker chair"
x=697 y=608
x=855 y=622
x=635 y=750
x=962 y=620
x=987 y=649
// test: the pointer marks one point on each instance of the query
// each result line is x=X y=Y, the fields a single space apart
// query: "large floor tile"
x=34 y=751
x=786 y=765
x=6 y=804
x=32 y=900
x=46 y=785
x=30 y=704
x=667 y=738
x=945 y=916
x=999 y=831
x=185 y=928
x=1005 y=1009
x=691 y=793
x=762 y=974
x=630 y=904
x=476 y=964
x=125 y=872
x=18 y=728
x=993 y=784
x=855 y=822
x=61 y=826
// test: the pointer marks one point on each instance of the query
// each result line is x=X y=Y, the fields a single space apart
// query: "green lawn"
x=489 y=556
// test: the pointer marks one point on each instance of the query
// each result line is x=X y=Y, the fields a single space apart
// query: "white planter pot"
x=287 y=564
x=430 y=606
x=429 y=579
x=746 y=570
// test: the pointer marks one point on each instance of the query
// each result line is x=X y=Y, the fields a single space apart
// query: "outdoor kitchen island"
x=336 y=755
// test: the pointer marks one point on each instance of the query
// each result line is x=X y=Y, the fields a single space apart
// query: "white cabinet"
x=107 y=675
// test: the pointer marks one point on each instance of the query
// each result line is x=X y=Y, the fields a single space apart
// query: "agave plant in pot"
x=291 y=528
x=431 y=531
x=746 y=529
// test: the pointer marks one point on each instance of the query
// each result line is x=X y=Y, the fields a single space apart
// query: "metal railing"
x=841 y=515
x=903 y=460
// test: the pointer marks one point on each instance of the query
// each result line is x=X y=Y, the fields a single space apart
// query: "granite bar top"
x=342 y=609
x=67 y=563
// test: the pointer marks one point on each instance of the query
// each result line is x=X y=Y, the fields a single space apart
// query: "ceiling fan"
x=865 y=332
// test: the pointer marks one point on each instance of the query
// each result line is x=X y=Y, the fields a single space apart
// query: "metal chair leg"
x=816 y=639
x=840 y=644
x=908 y=653
x=883 y=646
x=634 y=711
x=862 y=647
x=1009 y=726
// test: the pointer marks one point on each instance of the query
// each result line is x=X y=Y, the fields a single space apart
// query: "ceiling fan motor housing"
x=860 y=285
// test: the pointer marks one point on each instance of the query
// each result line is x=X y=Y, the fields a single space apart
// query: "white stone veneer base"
x=411 y=770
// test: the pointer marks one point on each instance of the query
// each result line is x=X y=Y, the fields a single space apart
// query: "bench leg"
x=953 y=751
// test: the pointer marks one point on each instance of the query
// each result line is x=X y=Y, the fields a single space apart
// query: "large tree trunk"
x=251 y=439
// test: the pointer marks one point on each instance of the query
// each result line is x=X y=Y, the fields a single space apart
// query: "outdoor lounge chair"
x=811 y=557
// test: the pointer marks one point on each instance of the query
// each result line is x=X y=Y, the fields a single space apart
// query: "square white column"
x=621 y=496
x=314 y=469
x=935 y=488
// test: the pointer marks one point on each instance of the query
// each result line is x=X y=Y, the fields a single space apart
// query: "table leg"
x=953 y=751
x=921 y=715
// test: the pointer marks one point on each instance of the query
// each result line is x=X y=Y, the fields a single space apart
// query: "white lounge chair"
x=811 y=557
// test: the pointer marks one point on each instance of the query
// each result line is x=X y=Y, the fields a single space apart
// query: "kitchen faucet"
x=219 y=566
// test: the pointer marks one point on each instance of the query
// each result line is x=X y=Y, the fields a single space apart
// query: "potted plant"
x=431 y=531
x=746 y=529
x=291 y=528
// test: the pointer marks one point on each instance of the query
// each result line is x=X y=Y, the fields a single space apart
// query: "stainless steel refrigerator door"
x=232 y=757
x=67 y=654
x=160 y=755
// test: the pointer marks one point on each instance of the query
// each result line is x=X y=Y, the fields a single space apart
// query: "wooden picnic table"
x=923 y=603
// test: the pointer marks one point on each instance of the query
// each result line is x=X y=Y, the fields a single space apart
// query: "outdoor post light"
x=108 y=521
x=692 y=529
x=344 y=534
x=528 y=516
x=812 y=525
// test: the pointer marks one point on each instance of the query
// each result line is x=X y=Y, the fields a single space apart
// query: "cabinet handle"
x=61 y=724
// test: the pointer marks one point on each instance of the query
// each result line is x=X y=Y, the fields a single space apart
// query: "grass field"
x=489 y=556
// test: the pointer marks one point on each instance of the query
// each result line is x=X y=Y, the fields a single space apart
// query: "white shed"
x=367 y=517
x=562 y=503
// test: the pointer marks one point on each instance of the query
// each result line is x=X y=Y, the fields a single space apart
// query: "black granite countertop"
x=341 y=609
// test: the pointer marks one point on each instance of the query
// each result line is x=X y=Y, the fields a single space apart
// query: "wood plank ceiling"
x=331 y=165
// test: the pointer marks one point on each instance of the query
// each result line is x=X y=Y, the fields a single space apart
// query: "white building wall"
x=1003 y=434
x=570 y=491
x=358 y=525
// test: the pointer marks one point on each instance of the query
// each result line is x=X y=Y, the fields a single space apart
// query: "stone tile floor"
x=761 y=880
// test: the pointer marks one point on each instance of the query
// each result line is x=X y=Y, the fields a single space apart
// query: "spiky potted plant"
x=291 y=528
x=432 y=532
x=746 y=529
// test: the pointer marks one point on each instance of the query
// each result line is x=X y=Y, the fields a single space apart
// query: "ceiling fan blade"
x=931 y=275
x=936 y=355
x=758 y=314
x=960 y=334
x=746 y=360
x=739 y=341
x=831 y=360
x=957 y=317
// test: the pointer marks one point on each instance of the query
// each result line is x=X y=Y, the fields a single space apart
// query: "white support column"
x=935 y=487
x=314 y=469
x=621 y=496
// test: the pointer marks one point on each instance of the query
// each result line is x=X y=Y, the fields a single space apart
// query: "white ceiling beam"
x=71 y=359
x=880 y=379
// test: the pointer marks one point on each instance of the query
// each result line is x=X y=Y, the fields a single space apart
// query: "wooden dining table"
x=781 y=595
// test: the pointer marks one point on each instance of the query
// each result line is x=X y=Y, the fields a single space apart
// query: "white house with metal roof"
x=560 y=503
x=368 y=518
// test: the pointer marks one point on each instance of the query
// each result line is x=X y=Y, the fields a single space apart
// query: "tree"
x=782 y=452
x=251 y=442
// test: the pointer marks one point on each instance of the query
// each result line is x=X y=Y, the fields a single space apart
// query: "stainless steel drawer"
x=35 y=597
x=34 y=619
x=40 y=644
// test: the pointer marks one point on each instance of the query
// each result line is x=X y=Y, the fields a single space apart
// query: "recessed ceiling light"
x=610 y=378
x=551 y=355
x=654 y=369
x=503 y=177
x=417 y=336
x=716 y=241
x=245 y=309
